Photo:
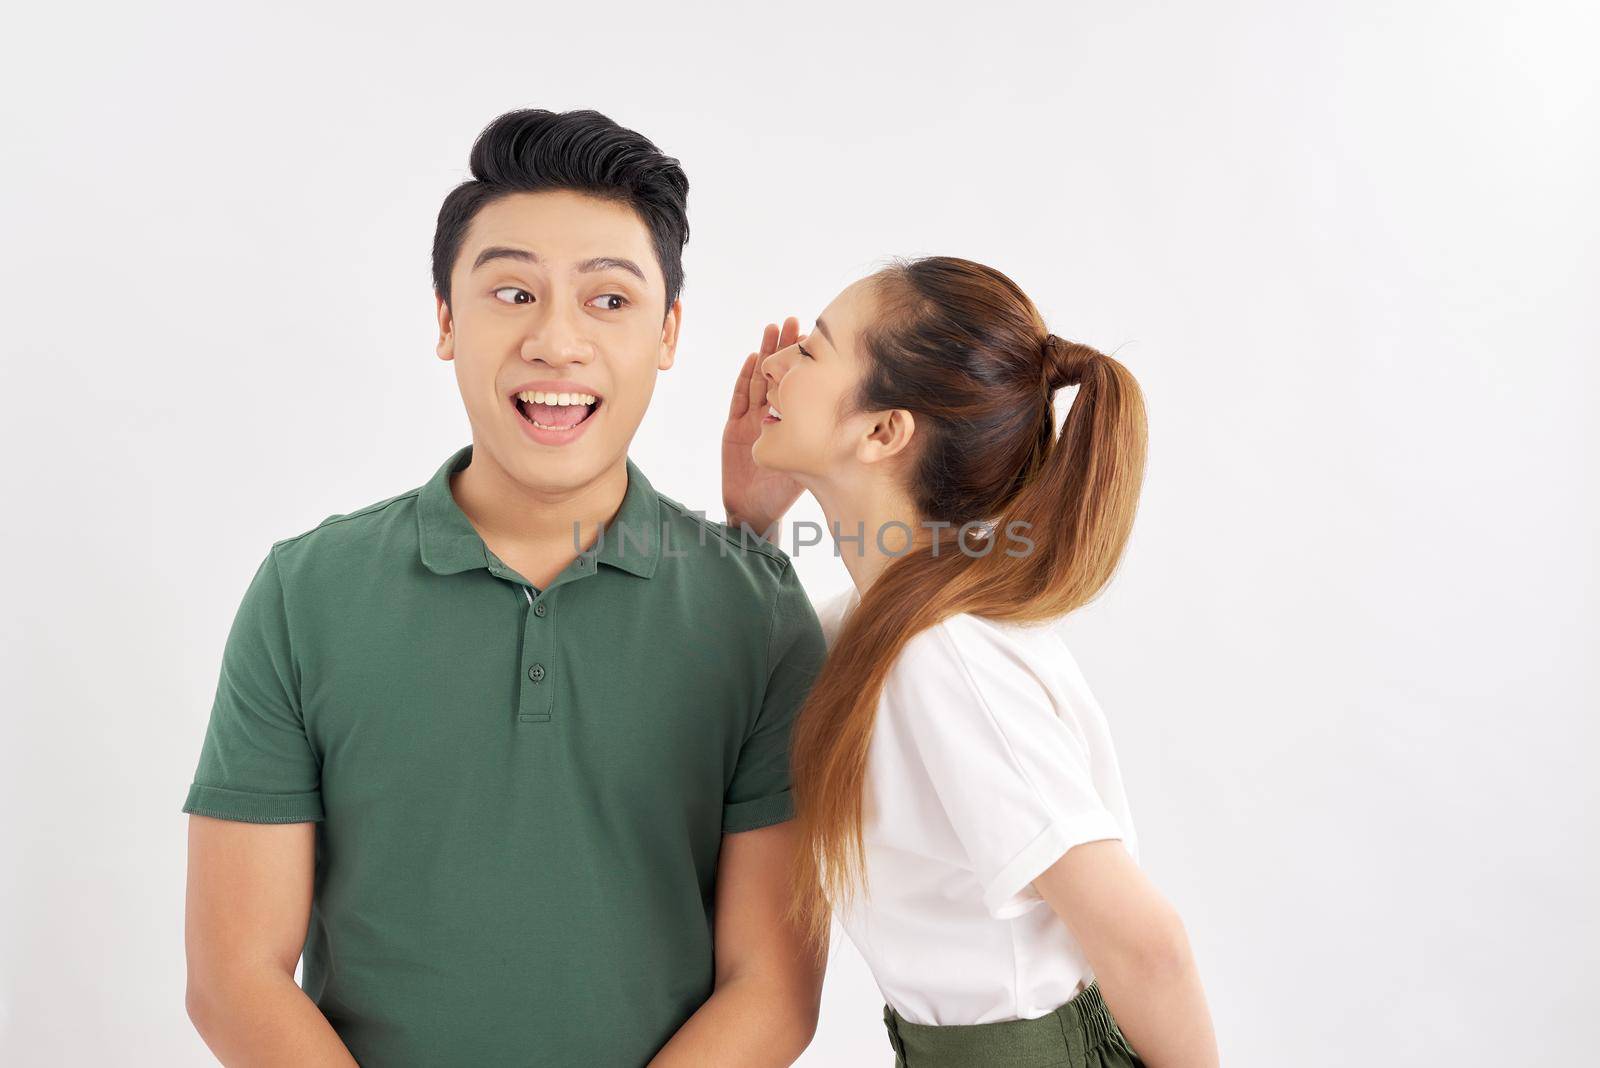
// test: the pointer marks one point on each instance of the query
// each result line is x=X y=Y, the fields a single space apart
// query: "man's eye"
x=513 y=289
x=622 y=301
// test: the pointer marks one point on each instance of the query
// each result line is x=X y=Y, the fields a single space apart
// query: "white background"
x=1348 y=249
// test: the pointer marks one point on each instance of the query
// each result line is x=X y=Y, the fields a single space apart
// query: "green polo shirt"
x=520 y=794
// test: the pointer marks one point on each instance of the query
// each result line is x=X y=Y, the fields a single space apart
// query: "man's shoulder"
x=360 y=530
x=706 y=542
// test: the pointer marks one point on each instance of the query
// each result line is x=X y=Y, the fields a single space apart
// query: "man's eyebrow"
x=503 y=252
x=597 y=263
x=606 y=263
x=824 y=328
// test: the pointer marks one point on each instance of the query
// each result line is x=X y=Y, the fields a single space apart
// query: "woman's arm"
x=1139 y=951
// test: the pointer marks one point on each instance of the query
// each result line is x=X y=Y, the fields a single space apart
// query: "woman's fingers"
x=790 y=332
x=741 y=389
x=773 y=338
x=756 y=388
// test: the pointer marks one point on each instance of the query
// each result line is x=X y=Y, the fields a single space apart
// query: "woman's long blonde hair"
x=960 y=346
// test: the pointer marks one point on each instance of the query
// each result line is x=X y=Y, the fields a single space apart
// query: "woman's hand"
x=751 y=494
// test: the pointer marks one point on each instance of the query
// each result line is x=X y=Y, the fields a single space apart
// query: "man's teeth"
x=539 y=396
x=773 y=412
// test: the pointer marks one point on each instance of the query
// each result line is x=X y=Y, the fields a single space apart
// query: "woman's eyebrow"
x=824 y=328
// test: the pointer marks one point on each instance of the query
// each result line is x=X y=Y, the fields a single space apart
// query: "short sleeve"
x=758 y=794
x=1013 y=776
x=256 y=762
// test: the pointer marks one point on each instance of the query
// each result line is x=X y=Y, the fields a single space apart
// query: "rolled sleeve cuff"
x=760 y=812
x=225 y=804
x=1010 y=892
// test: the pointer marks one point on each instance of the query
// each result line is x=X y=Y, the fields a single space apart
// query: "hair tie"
x=1065 y=362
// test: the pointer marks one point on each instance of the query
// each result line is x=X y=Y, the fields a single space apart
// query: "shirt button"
x=536 y=672
x=539 y=609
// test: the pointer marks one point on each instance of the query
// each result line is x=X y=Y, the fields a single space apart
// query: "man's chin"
x=548 y=469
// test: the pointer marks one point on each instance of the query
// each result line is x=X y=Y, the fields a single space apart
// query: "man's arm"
x=764 y=1008
x=246 y=910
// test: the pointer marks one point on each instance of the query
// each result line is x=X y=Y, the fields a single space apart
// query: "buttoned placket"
x=535 y=700
x=536 y=685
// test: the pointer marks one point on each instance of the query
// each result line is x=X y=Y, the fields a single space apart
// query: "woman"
x=955 y=783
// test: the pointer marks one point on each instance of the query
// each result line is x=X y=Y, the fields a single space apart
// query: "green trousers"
x=1080 y=1034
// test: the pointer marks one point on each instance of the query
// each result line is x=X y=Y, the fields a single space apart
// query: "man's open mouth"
x=555 y=411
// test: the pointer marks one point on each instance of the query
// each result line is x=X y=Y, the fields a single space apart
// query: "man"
x=517 y=803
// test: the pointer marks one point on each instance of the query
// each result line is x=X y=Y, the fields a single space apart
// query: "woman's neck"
x=874 y=524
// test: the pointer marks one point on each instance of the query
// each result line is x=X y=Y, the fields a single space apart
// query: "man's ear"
x=446 y=347
x=669 y=335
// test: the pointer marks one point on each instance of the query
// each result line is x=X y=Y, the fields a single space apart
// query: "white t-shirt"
x=989 y=759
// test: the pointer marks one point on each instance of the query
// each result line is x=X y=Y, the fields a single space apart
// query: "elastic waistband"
x=1065 y=1036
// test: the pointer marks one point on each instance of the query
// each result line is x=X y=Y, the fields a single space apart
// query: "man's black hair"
x=532 y=150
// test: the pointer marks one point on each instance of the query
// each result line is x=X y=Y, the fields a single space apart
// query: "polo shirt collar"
x=449 y=543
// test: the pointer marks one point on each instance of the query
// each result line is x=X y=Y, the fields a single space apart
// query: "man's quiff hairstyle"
x=532 y=150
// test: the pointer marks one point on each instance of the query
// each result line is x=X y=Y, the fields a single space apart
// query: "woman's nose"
x=773 y=366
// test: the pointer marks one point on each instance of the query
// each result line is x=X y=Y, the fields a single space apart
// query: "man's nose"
x=559 y=339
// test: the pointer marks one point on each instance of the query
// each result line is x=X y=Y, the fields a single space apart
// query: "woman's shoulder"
x=983 y=649
x=966 y=651
x=985 y=642
x=977 y=692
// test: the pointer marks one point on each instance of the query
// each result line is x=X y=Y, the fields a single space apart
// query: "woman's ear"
x=890 y=436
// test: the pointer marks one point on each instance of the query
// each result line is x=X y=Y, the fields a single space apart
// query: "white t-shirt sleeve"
x=1011 y=772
